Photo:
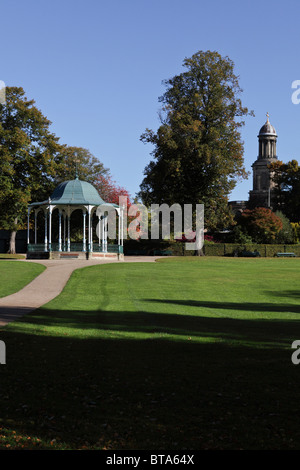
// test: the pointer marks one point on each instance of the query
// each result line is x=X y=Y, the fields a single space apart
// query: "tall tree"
x=81 y=161
x=29 y=153
x=198 y=152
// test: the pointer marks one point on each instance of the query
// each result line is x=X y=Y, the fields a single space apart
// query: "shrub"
x=261 y=224
x=285 y=235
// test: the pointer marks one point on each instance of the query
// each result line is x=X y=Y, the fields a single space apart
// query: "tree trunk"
x=199 y=251
x=12 y=243
x=12 y=240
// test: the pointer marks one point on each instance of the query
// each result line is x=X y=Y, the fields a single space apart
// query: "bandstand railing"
x=41 y=247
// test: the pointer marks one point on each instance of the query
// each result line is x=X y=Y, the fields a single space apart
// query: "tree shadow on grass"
x=239 y=389
x=150 y=394
x=257 y=330
x=292 y=294
x=243 y=306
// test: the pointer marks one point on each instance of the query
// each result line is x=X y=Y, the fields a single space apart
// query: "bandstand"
x=66 y=198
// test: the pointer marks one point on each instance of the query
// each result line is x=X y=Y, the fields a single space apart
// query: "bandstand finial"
x=76 y=165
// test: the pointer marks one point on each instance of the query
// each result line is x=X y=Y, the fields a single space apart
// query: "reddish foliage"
x=110 y=191
x=183 y=238
x=262 y=223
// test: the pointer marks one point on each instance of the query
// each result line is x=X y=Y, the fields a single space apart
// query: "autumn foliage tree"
x=110 y=191
x=261 y=224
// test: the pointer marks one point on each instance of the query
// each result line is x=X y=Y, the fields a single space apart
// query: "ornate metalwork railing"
x=41 y=247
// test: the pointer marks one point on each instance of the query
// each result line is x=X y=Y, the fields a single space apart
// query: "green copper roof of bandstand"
x=74 y=192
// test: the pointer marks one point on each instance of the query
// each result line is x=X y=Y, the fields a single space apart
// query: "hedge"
x=229 y=249
x=170 y=247
x=154 y=247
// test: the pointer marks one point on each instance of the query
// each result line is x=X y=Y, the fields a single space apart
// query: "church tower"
x=261 y=194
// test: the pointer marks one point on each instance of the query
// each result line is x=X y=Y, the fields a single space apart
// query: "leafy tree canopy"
x=81 y=161
x=286 y=177
x=286 y=234
x=29 y=153
x=198 y=152
x=110 y=191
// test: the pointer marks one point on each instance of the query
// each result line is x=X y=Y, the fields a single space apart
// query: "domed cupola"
x=267 y=139
x=267 y=128
x=75 y=192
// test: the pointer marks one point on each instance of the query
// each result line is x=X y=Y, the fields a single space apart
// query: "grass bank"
x=15 y=275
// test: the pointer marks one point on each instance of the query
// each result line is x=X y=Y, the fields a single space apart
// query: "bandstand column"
x=64 y=239
x=84 y=234
x=105 y=233
x=50 y=227
x=119 y=227
x=91 y=244
x=59 y=230
x=122 y=226
x=68 y=240
x=46 y=230
x=98 y=231
x=89 y=230
x=102 y=233
x=35 y=226
x=28 y=214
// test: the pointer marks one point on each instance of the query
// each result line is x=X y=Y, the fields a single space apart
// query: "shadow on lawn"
x=243 y=306
x=261 y=331
x=158 y=393
x=292 y=294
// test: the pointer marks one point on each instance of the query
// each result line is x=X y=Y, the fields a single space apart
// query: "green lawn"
x=185 y=353
x=15 y=275
x=9 y=256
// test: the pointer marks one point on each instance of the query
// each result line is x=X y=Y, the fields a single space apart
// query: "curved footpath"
x=47 y=285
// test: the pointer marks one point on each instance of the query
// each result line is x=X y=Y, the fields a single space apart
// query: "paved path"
x=48 y=285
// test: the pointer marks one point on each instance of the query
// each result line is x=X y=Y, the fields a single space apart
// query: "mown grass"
x=15 y=275
x=186 y=353
x=9 y=256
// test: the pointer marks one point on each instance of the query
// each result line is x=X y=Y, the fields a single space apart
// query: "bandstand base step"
x=73 y=255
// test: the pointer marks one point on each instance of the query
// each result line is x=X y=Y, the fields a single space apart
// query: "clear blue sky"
x=95 y=68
